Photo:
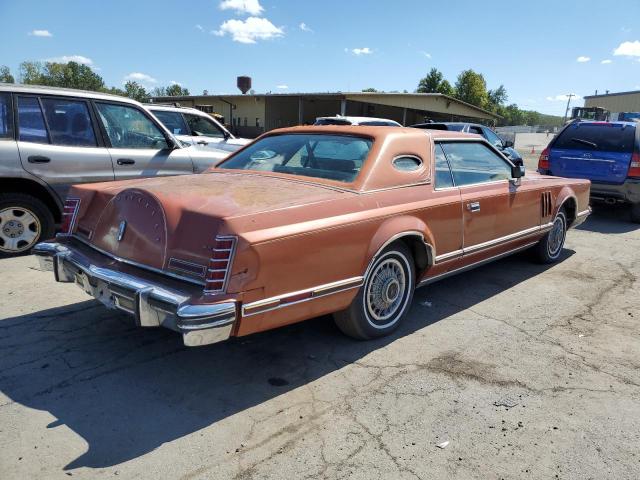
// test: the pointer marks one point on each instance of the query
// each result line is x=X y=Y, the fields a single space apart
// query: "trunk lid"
x=171 y=223
x=598 y=151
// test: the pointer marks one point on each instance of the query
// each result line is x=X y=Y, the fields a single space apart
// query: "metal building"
x=615 y=102
x=251 y=115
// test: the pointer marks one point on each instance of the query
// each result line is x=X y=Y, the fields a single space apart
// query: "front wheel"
x=550 y=246
x=384 y=299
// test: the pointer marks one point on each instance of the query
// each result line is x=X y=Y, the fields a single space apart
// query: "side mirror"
x=517 y=171
x=507 y=144
x=518 y=162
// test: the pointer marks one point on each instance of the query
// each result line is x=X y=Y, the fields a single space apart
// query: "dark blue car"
x=607 y=153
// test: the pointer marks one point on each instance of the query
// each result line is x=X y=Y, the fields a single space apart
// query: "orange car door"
x=495 y=211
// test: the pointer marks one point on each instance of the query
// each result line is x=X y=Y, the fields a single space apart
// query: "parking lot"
x=527 y=371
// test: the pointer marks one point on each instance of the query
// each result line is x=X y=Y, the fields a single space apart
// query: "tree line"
x=471 y=87
x=82 y=77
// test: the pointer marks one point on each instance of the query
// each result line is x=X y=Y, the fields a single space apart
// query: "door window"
x=201 y=126
x=128 y=127
x=443 y=171
x=6 y=121
x=493 y=138
x=173 y=121
x=473 y=162
x=69 y=122
x=31 y=121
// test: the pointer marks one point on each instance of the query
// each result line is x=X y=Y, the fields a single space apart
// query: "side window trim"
x=11 y=117
x=435 y=173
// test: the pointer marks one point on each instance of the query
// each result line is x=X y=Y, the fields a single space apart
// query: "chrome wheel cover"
x=19 y=229
x=556 y=237
x=385 y=292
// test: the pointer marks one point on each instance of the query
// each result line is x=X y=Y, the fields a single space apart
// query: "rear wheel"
x=384 y=299
x=549 y=248
x=24 y=221
x=635 y=212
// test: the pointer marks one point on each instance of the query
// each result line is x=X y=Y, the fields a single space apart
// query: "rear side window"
x=6 y=122
x=599 y=137
x=173 y=121
x=31 y=121
x=69 y=122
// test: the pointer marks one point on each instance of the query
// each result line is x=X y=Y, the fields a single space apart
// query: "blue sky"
x=534 y=48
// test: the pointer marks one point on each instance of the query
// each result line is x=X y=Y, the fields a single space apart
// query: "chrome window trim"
x=263 y=306
x=136 y=264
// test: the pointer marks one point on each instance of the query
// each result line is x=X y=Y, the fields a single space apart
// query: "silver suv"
x=52 y=138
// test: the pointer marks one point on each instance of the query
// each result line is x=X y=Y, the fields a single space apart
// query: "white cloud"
x=40 y=33
x=426 y=54
x=304 y=27
x=71 y=58
x=564 y=98
x=251 y=7
x=629 y=49
x=605 y=62
x=249 y=30
x=199 y=27
x=173 y=82
x=583 y=59
x=140 y=77
x=282 y=87
x=360 y=51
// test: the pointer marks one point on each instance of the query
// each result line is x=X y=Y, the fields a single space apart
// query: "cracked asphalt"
x=528 y=371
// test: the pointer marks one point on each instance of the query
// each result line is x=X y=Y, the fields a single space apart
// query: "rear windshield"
x=332 y=121
x=440 y=126
x=601 y=137
x=334 y=157
x=378 y=123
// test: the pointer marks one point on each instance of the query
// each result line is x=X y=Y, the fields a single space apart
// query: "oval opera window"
x=407 y=163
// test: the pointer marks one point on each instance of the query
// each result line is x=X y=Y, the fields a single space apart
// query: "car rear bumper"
x=628 y=192
x=149 y=301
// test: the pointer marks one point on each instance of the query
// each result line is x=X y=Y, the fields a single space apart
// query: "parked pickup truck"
x=607 y=153
x=52 y=138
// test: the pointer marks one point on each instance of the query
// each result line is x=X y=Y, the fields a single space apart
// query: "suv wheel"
x=24 y=221
x=635 y=212
x=384 y=299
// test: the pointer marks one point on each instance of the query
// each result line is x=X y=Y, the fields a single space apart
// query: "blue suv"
x=607 y=153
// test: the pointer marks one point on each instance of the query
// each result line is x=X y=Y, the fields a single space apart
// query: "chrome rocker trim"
x=151 y=304
x=580 y=218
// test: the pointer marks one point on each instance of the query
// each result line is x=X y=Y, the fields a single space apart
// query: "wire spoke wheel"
x=385 y=290
x=20 y=228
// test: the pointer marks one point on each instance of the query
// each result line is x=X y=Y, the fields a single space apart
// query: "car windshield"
x=333 y=157
x=378 y=123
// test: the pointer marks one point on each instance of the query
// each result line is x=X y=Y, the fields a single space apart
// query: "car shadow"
x=609 y=219
x=128 y=390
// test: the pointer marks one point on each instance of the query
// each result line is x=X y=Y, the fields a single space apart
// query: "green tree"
x=497 y=97
x=68 y=75
x=5 y=75
x=472 y=88
x=31 y=73
x=370 y=89
x=446 y=89
x=431 y=82
x=136 y=91
x=176 y=90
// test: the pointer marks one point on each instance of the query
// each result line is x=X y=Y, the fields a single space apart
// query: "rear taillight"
x=220 y=264
x=543 y=161
x=634 y=167
x=69 y=214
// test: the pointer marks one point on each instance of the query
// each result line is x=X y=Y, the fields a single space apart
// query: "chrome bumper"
x=152 y=304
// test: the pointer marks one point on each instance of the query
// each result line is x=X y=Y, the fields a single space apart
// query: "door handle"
x=473 y=207
x=202 y=142
x=125 y=161
x=38 y=159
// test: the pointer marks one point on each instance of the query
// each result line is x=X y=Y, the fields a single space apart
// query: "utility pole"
x=566 y=112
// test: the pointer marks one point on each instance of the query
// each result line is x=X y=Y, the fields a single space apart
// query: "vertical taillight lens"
x=69 y=214
x=543 y=161
x=220 y=264
x=634 y=167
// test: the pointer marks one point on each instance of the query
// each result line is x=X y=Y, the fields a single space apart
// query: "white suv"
x=197 y=128
x=365 y=121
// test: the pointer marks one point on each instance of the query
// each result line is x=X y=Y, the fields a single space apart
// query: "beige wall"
x=629 y=102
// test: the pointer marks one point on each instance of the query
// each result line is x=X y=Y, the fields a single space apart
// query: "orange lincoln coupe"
x=304 y=222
